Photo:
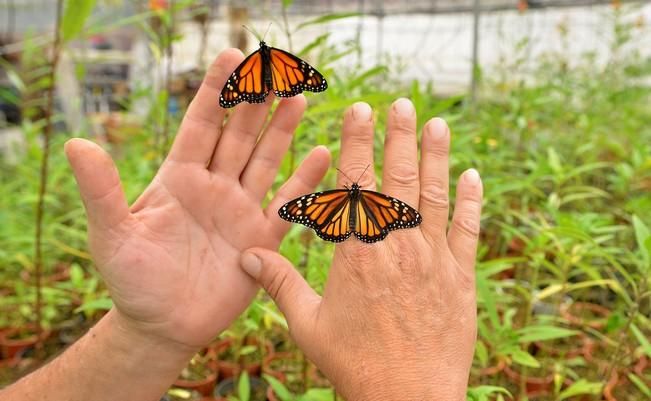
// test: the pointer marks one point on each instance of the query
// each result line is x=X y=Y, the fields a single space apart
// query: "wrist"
x=402 y=380
x=130 y=334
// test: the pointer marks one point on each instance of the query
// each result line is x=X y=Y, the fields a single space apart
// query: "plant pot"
x=228 y=368
x=11 y=347
x=228 y=387
x=535 y=386
x=269 y=365
x=204 y=386
x=584 y=314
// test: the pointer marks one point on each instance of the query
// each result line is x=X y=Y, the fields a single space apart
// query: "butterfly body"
x=336 y=214
x=267 y=69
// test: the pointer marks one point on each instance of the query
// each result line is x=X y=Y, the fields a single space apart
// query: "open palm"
x=171 y=259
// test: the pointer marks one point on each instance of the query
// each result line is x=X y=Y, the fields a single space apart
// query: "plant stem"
x=47 y=133
x=169 y=34
x=288 y=34
x=632 y=312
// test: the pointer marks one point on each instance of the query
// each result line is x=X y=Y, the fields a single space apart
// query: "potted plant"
x=246 y=388
x=242 y=349
x=199 y=375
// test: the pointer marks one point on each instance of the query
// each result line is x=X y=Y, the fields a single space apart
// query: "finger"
x=434 y=178
x=293 y=295
x=240 y=135
x=261 y=170
x=357 y=147
x=202 y=124
x=400 y=178
x=464 y=232
x=99 y=183
x=304 y=181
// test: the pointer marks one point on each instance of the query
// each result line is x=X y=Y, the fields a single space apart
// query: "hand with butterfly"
x=170 y=260
x=397 y=319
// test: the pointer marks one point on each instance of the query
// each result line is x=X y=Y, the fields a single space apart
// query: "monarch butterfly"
x=336 y=214
x=269 y=68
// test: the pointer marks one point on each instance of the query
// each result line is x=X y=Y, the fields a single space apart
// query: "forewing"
x=291 y=75
x=378 y=214
x=326 y=212
x=246 y=83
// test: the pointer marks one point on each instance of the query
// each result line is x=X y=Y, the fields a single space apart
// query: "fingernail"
x=438 y=128
x=362 y=112
x=403 y=107
x=251 y=264
x=472 y=176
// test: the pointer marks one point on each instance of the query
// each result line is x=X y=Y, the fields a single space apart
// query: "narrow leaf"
x=580 y=387
x=74 y=17
x=244 y=387
x=326 y=18
x=640 y=384
x=524 y=358
x=641 y=338
x=540 y=333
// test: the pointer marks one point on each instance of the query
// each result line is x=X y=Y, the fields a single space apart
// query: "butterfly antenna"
x=346 y=176
x=361 y=175
x=253 y=33
x=267 y=31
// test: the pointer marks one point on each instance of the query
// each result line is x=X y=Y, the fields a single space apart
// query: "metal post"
x=476 y=11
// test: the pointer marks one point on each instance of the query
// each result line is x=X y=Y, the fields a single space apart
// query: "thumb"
x=98 y=181
x=293 y=295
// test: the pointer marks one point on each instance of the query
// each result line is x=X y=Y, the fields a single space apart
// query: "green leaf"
x=641 y=338
x=524 y=358
x=580 y=387
x=244 y=387
x=313 y=44
x=317 y=394
x=541 y=333
x=640 y=384
x=642 y=236
x=287 y=3
x=280 y=390
x=481 y=393
x=74 y=17
x=95 y=305
x=325 y=18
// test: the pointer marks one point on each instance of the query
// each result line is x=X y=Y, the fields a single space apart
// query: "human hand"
x=397 y=319
x=171 y=260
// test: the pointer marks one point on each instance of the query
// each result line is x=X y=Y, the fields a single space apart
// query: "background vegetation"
x=565 y=258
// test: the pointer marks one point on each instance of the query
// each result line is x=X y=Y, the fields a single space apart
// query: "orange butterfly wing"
x=377 y=214
x=290 y=75
x=328 y=213
x=246 y=83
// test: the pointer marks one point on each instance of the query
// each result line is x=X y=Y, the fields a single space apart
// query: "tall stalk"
x=47 y=134
x=169 y=36
x=288 y=33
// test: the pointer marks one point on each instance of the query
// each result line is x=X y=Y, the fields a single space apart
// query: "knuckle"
x=467 y=225
x=438 y=151
x=403 y=173
x=435 y=193
x=277 y=283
